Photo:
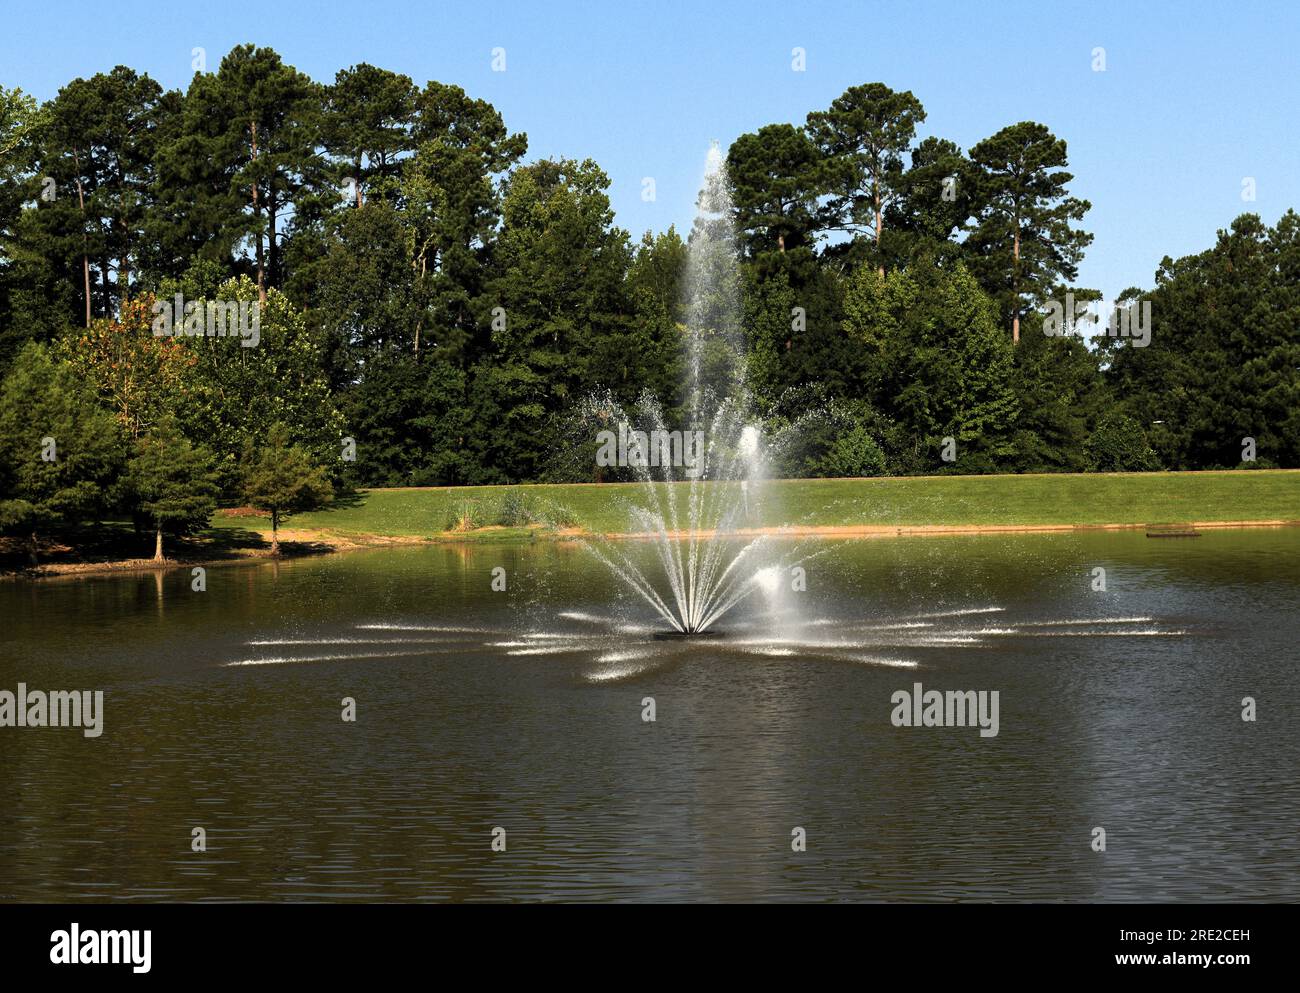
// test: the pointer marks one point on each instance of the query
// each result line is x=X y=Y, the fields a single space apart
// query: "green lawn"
x=1134 y=498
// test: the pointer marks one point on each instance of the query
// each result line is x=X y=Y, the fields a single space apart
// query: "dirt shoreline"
x=905 y=530
x=301 y=543
x=295 y=544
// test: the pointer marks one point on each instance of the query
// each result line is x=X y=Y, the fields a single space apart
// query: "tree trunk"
x=108 y=294
x=1015 y=288
x=257 y=218
x=420 y=323
x=124 y=261
x=880 y=222
x=275 y=534
x=85 y=275
x=272 y=252
x=157 y=548
x=85 y=258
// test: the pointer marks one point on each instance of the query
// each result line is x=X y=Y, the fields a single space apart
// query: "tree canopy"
x=432 y=306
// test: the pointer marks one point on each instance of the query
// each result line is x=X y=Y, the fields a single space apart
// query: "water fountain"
x=694 y=507
x=698 y=502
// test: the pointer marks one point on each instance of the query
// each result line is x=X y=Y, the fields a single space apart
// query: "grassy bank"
x=950 y=501
x=849 y=506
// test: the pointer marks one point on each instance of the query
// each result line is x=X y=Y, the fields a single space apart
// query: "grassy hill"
x=1087 y=499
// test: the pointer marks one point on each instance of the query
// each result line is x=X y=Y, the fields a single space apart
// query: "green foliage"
x=1118 y=444
x=141 y=377
x=937 y=362
x=1223 y=363
x=280 y=478
x=233 y=392
x=1023 y=243
x=448 y=306
x=466 y=515
x=367 y=127
x=60 y=451
x=1060 y=393
x=862 y=139
x=558 y=322
x=776 y=176
x=854 y=453
x=170 y=481
x=516 y=510
x=98 y=146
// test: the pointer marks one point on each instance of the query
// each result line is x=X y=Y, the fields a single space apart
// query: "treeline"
x=433 y=305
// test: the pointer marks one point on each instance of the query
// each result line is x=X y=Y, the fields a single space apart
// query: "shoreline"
x=922 y=530
x=297 y=544
x=308 y=542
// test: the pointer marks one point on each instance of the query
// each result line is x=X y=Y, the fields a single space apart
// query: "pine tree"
x=171 y=482
x=280 y=478
x=862 y=139
x=1022 y=243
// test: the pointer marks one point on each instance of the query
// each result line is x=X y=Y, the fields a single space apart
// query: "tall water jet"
x=700 y=482
x=711 y=293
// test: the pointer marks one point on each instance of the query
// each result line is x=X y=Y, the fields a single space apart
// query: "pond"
x=518 y=719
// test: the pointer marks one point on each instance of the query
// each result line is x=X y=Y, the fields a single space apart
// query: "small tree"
x=281 y=479
x=172 y=482
x=854 y=453
x=1118 y=444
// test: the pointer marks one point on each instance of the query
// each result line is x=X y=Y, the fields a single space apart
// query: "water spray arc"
x=697 y=518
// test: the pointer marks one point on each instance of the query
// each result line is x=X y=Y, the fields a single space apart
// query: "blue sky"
x=1194 y=97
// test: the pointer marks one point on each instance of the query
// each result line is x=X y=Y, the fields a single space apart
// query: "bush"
x=465 y=516
x=560 y=517
x=853 y=453
x=516 y=510
x=1118 y=444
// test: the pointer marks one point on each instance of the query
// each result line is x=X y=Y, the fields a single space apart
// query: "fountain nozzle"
x=680 y=635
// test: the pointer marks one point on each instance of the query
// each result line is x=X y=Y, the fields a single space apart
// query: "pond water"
x=524 y=710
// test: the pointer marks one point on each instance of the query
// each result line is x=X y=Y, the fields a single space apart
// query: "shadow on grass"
x=118 y=543
x=345 y=501
x=234 y=543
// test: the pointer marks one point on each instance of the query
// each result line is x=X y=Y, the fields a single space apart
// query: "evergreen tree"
x=560 y=328
x=97 y=146
x=1118 y=444
x=367 y=123
x=862 y=139
x=938 y=365
x=1022 y=243
x=776 y=176
x=246 y=149
x=171 y=482
x=60 y=452
x=20 y=123
x=281 y=479
x=1223 y=362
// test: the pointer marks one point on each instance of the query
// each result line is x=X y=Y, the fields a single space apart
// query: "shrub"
x=465 y=516
x=1118 y=444
x=516 y=510
x=853 y=453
